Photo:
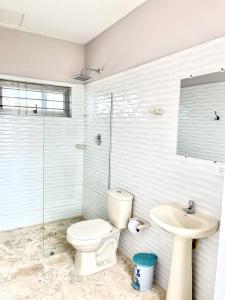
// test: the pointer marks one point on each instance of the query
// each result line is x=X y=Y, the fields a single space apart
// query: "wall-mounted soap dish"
x=156 y=110
x=81 y=146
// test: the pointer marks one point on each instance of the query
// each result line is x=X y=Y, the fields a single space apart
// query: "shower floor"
x=37 y=270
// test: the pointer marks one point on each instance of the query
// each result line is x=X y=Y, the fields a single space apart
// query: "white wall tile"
x=96 y=158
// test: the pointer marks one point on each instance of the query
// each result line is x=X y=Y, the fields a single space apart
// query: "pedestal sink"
x=184 y=227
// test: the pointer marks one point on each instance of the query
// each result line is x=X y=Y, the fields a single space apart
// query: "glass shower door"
x=63 y=169
x=21 y=177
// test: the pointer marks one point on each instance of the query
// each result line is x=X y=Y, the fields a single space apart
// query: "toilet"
x=96 y=241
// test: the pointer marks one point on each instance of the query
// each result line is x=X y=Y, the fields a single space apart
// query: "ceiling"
x=72 y=20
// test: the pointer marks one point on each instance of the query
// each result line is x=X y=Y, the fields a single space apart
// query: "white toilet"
x=96 y=240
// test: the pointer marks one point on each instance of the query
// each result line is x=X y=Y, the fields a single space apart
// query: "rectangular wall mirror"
x=201 y=122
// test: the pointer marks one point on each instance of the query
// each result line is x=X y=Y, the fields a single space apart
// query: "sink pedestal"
x=180 y=279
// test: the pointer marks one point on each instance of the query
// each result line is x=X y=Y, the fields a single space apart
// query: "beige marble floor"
x=25 y=273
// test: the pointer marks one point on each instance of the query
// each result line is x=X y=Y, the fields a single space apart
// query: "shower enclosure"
x=50 y=161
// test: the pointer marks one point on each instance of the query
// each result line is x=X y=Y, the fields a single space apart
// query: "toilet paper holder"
x=143 y=223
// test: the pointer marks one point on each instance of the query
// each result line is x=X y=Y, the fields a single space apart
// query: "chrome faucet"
x=190 y=209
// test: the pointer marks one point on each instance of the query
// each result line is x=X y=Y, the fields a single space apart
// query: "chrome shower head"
x=83 y=77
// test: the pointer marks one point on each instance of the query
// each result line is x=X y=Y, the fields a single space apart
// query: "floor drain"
x=52 y=253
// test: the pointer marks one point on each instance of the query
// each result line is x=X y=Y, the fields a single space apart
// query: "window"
x=23 y=98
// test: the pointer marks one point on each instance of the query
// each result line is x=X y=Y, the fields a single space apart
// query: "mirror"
x=201 y=121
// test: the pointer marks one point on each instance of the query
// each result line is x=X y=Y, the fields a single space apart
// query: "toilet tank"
x=119 y=208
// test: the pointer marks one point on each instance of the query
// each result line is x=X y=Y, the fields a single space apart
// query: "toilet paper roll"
x=133 y=226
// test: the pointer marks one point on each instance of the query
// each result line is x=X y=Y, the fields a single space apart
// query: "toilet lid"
x=90 y=229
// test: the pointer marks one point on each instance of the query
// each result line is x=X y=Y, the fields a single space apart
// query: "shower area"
x=55 y=147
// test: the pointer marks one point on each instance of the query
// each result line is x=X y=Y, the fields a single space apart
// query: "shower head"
x=83 y=77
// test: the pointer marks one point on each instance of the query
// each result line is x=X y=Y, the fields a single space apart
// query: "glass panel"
x=63 y=173
x=21 y=185
x=9 y=92
x=34 y=95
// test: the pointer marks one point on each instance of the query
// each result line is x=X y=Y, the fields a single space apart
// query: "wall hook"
x=216 y=117
x=35 y=110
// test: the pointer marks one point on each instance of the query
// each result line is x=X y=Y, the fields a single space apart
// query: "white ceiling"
x=72 y=20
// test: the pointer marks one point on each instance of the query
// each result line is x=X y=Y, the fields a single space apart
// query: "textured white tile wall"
x=144 y=159
x=96 y=158
x=37 y=154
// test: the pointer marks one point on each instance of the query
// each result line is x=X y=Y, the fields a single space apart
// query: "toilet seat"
x=89 y=231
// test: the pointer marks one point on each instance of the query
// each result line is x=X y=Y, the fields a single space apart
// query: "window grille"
x=24 y=98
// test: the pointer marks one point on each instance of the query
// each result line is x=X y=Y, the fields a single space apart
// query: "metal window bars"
x=23 y=98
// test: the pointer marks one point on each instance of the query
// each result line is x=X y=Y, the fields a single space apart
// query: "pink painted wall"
x=31 y=55
x=156 y=29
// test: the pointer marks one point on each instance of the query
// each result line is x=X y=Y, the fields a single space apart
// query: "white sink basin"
x=171 y=218
x=184 y=227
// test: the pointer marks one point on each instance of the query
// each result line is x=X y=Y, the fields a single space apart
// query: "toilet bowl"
x=96 y=240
